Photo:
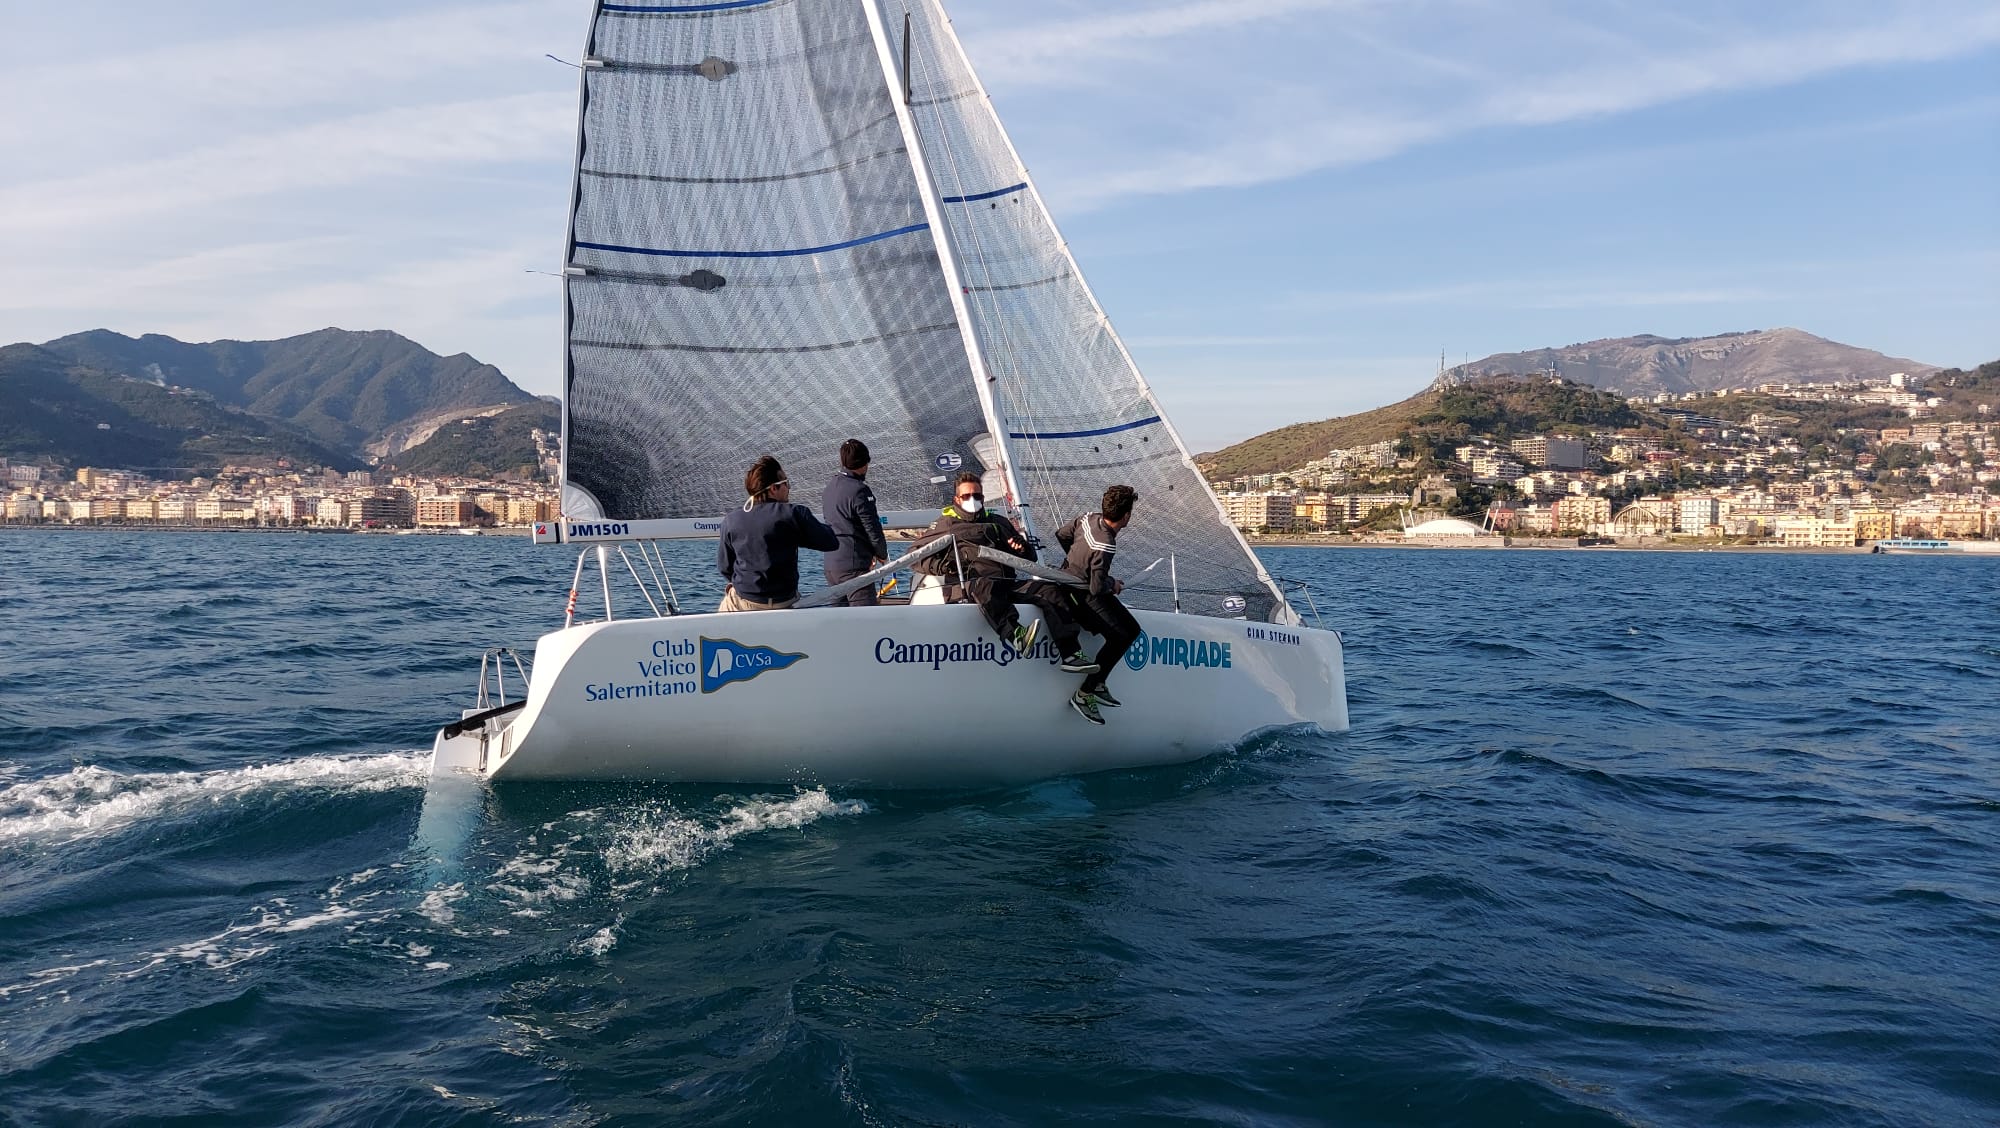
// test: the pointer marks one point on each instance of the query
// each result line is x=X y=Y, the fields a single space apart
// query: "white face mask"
x=971 y=507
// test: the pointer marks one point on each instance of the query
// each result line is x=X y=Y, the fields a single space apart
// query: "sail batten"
x=783 y=253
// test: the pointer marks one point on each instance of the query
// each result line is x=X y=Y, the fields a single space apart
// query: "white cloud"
x=400 y=171
x=157 y=99
x=1063 y=51
x=398 y=142
x=1231 y=104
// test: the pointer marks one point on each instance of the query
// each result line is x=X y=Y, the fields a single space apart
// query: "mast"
x=569 y=256
x=1145 y=389
x=982 y=378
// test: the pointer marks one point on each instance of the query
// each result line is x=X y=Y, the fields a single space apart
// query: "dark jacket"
x=987 y=528
x=849 y=506
x=1088 y=546
x=759 y=551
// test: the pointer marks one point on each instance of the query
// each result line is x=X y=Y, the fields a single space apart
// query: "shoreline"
x=1543 y=544
x=507 y=531
x=1557 y=544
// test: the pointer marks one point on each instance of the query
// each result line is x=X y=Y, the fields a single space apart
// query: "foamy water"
x=90 y=800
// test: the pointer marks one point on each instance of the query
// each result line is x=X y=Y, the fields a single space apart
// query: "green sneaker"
x=1086 y=707
x=1024 y=636
x=1078 y=664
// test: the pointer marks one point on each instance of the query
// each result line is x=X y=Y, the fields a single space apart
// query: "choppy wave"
x=662 y=840
x=90 y=800
x=1615 y=839
x=559 y=880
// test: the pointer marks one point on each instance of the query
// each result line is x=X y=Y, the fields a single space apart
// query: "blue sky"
x=1288 y=207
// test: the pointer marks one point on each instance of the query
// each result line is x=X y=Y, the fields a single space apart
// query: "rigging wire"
x=1018 y=390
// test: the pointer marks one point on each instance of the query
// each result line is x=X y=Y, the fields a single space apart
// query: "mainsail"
x=750 y=268
x=774 y=199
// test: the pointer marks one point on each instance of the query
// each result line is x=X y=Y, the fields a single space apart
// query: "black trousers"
x=863 y=598
x=997 y=595
x=1106 y=617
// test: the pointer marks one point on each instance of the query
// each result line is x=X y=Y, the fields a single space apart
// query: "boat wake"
x=662 y=841
x=527 y=885
x=92 y=800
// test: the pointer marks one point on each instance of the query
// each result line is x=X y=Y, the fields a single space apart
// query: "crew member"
x=759 y=551
x=849 y=506
x=990 y=583
x=1090 y=541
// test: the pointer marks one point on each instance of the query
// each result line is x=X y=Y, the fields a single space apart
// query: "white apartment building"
x=1551 y=450
x=1259 y=510
x=1696 y=514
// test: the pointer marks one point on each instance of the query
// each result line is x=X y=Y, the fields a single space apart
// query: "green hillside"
x=1501 y=406
x=342 y=386
x=490 y=447
x=1292 y=446
x=52 y=408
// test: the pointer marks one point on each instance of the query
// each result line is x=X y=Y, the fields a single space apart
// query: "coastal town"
x=279 y=497
x=1701 y=477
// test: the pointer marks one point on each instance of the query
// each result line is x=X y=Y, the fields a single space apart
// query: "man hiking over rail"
x=1089 y=542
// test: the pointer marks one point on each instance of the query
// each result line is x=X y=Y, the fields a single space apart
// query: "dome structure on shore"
x=1445 y=527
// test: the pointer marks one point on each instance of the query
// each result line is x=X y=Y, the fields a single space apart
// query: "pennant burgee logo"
x=725 y=660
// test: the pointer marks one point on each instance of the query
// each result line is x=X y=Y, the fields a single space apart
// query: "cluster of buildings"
x=1753 y=480
x=242 y=496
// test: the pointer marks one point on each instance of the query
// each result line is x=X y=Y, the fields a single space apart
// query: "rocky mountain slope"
x=1646 y=365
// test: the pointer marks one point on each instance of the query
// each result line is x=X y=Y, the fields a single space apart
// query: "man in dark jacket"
x=990 y=583
x=759 y=549
x=849 y=506
x=1090 y=542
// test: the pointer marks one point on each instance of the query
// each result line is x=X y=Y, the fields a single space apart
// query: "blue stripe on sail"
x=684 y=7
x=1083 y=434
x=986 y=195
x=755 y=254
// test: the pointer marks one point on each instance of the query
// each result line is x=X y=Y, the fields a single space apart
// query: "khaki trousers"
x=734 y=602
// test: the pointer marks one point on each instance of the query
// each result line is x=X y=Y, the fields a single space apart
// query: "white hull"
x=896 y=696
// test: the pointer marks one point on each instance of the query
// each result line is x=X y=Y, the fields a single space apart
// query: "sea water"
x=1664 y=838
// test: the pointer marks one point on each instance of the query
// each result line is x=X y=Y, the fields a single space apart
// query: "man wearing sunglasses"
x=758 y=551
x=992 y=584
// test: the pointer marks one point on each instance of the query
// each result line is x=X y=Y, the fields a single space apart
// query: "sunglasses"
x=972 y=497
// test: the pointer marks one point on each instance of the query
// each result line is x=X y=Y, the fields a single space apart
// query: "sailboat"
x=799 y=221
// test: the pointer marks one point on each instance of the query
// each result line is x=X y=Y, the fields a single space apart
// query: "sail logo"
x=725 y=660
x=1181 y=653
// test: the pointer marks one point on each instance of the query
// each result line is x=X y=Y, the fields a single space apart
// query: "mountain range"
x=1648 y=365
x=346 y=399
x=333 y=397
x=1515 y=385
